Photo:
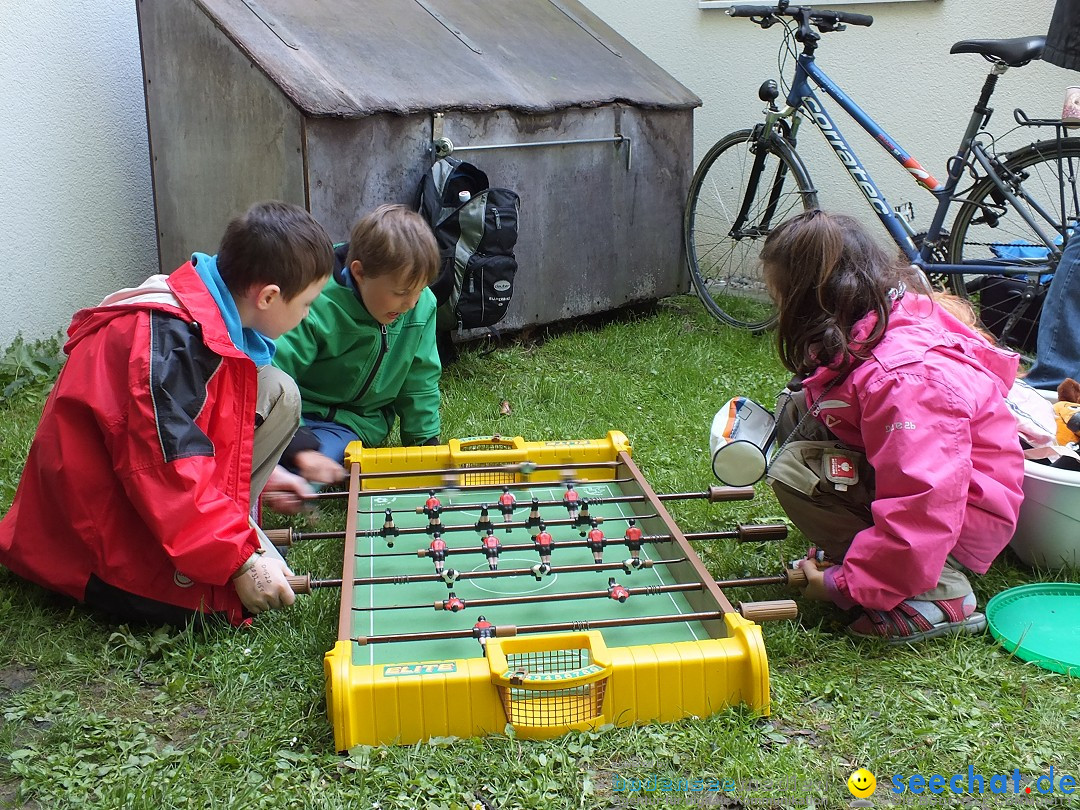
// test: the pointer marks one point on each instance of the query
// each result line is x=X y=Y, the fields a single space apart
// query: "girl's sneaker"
x=913 y=620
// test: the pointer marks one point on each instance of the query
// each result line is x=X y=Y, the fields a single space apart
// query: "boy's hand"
x=285 y=492
x=815 y=580
x=261 y=585
x=314 y=466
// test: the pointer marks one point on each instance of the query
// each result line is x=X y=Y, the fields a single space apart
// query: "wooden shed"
x=341 y=106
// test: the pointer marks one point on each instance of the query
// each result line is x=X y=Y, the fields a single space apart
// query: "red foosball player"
x=389 y=529
x=544 y=544
x=454 y=603
x=431 y=503
x=483 y=524
x=616 y=591
x=437 y=550
x=507 y=501
x=570 y=501
x=482 y=631
x=533 y=521
x=596 y=542
x=632 y=538
x=492 y=548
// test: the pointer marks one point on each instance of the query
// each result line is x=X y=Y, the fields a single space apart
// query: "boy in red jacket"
x=163 y=426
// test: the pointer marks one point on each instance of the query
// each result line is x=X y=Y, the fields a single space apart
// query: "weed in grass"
x=104 y=716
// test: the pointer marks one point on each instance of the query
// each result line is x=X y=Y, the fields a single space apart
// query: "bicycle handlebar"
x=815 y=16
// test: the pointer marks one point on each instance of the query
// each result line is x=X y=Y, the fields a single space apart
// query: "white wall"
x=75 y=178
x=924 y=104
x=78 y=218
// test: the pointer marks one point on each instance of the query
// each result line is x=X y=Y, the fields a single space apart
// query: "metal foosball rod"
x=712 y=494
x=744 y=533
x=455 y=604
x=483 y=630
x=386 y=493
x=303 y=583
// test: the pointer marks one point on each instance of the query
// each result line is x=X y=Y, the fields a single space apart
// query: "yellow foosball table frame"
x=543 y=678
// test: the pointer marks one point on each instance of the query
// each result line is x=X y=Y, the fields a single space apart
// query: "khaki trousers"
x=831 y=514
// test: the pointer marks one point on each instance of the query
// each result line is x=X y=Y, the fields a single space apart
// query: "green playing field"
x=409 y=607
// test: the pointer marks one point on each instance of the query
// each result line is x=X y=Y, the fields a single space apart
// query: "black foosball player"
x=435 y=521
x=533 y=520
x=492 y=549
x=437 y=550
x=596 y=542
x=483 y=523
x=544 y=544
x=583 y=518
x=389 y=529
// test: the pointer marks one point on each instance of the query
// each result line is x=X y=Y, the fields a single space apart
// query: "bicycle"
x=1010 y=225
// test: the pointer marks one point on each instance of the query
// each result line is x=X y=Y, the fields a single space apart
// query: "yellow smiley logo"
x=862 y=784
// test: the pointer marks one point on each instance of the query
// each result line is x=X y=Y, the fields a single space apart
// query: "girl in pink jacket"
x=899 y=457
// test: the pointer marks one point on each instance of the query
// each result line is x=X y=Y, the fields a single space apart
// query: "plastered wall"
x=75 y=177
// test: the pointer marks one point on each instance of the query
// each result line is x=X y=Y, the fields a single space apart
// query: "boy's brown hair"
x=395 y=239
x=274 y=243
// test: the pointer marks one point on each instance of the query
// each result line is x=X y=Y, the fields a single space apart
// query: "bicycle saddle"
x=1013 y=52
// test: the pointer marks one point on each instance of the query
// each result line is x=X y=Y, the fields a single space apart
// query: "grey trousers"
x=277 y=416
x=828 y=513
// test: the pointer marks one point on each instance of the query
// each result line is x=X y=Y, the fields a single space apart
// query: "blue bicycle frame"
x=801 y=98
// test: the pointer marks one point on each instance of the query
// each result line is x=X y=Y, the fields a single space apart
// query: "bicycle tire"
x=987 y=228
x=724 y=268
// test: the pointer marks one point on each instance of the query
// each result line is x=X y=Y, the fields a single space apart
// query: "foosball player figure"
x=389 y=529
x=570 y=501
x=632 y=538
x=507 y=502
x=544 y=543
x=583 y=518
x=483 y=524
x=616 y=591
x=431 y=503
x=453 y=603
x=437 y=551
x=482 y=631
x=492 y=548
x=533 y=521
x=434 y=525
x=596 y=542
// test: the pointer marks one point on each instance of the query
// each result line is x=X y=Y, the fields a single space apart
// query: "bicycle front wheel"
x=989 y=229
x=726 y=222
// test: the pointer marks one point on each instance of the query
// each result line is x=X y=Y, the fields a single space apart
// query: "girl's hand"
x=815 y=580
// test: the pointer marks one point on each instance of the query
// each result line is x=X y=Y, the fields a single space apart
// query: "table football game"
x=541 y=584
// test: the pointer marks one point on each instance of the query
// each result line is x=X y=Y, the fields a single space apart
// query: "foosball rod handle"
x=761 y=532
x=772 y=610
x=300 y=584
x=720 y=494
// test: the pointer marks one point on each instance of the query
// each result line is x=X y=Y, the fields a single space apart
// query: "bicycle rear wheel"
x=989 y=229
x=722 y=252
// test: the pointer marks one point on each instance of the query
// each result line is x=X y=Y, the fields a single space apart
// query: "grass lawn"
x=104 y=716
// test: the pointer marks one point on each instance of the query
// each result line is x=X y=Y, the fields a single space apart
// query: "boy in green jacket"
x=366 y=353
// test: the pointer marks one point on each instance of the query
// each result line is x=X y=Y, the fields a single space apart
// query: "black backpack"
x=476 y=232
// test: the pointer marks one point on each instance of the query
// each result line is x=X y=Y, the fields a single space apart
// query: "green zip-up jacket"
x=352 y=370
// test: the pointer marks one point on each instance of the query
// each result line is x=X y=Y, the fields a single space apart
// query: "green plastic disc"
x=1039 y=623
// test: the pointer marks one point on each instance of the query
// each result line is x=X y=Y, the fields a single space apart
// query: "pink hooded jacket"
x=928 y=409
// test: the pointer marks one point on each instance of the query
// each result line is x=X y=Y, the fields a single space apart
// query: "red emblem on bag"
x=841 y=469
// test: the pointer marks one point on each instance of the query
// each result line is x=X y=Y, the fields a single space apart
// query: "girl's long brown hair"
x=825 y=273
